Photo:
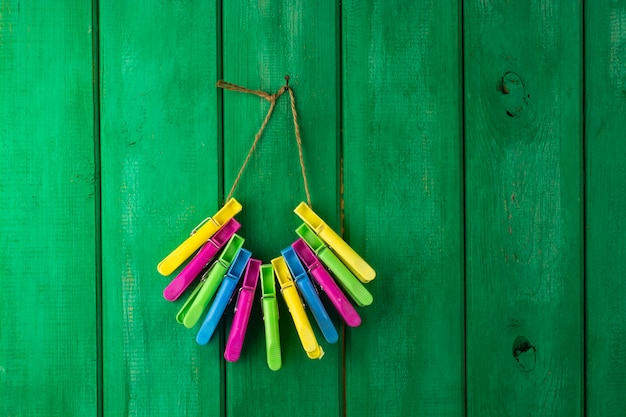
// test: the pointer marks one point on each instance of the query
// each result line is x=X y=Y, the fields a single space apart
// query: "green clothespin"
x=191 y=311
x=270 y=317
x=348 y=281
x=180 y=316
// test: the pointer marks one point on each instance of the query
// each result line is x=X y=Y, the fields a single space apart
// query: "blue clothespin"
x=223 y=296
x=304 y=284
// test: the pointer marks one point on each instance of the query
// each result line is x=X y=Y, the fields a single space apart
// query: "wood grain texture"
x=47 y=282
x=264 y=41
x=160 y=179
x=605 y=63
x=523 y=121
x=403 y=207
x=416 y=199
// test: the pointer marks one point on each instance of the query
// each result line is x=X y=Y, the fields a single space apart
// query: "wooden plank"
x=160 y=179
x=523 y=121
x=47 y=280
x=263 y=41
x=605 y=65
x=403 y=206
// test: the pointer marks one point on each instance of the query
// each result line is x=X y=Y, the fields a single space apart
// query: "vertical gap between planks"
x=220 y=174
x=463 y=208
x=339 y=59
x=220 y=99
x=223 y=366
x=97 y=182
x=584 y=206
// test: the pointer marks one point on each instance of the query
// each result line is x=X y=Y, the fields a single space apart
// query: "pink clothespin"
x=201 y=260
x=323 y=278
x=242 y=312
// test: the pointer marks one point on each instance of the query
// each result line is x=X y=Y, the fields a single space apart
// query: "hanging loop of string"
x=272 y=99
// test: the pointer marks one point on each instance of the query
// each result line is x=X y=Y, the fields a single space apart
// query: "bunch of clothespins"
x=319 y=253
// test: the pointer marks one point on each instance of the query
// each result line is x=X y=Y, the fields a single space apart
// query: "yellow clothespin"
x=290 y=294
x=198 y=237
x=361 y=269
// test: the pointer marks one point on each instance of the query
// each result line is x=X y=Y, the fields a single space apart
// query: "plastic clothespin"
x=304 y=284
x=326 y=282
x=361 y=269
x=200 y=261
x=182 y=313
x=292 y=299
x=199 y=235
x=223 y=296
x=348 y=281
x=243 y=307
x=198 y=300
x=270 y=318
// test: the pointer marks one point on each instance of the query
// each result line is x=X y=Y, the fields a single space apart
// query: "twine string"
x=296 y=129
x=272 y=99
x=234 y=87
x=252 y=148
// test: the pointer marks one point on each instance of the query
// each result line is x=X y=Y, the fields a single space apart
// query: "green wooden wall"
x=472 y=151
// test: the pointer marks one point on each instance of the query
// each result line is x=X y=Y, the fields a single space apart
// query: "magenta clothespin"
x=242 y=312
x=323 y=278
x=201 y=260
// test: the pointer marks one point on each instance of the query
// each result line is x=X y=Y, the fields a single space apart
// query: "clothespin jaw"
x=304 y=284
x=223 y=296
x=346 y=279
x=326 y=282
x=200 y=261
x=243 y=307
x=361 y=269
x=213 y=279
x=270 y=318
x=201 y=235
x=300 y=320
